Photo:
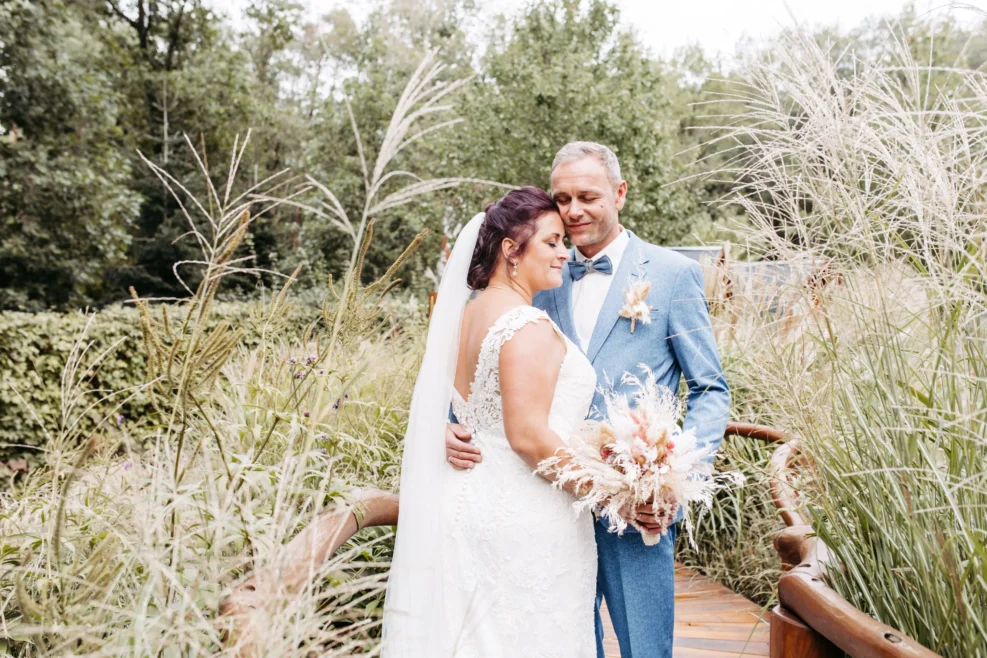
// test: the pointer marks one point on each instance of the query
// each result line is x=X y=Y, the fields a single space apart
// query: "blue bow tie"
x=580 y=268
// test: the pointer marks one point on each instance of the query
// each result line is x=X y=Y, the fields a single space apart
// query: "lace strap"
x=512 y=322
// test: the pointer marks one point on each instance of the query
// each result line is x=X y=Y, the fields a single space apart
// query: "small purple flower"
x=324 y=437
x=346 y=396
x=306 y=414
x=322 y=450
x=336 y=404
x=311 y=359
x=292 y=360
x=299 y=375
x=119 y=420
x=126 y=465
x=322 y=372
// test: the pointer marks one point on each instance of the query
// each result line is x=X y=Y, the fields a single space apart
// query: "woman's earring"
x=515 y=269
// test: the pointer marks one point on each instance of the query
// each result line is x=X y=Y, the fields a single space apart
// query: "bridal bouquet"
x=639 y=456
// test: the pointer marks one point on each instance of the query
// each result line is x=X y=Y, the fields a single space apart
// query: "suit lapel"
x=563 y=303
x=629 y=263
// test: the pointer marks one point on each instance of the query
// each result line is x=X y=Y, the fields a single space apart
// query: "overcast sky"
x=716 y=25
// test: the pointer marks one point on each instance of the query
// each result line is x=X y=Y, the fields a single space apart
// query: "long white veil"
x=418 y=621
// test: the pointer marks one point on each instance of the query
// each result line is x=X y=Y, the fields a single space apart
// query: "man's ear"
x=621 y=195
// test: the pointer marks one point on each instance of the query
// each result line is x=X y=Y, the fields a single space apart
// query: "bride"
x=493 y=562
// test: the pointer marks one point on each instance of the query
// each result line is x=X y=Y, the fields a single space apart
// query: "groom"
x=637 y=581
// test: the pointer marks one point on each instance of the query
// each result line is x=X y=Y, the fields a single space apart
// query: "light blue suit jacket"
x=678 y=341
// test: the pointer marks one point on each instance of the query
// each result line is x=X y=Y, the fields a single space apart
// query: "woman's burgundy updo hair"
x=514 y=217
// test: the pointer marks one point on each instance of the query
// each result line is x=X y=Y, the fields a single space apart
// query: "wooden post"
x=791 y=638
x=432 y=297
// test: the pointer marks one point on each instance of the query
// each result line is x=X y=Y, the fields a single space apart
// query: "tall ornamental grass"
x=869 y=180
x=110 y=554
x=106 y=552
x=733 y=539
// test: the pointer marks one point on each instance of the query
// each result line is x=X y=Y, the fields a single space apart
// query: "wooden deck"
x=710 y=621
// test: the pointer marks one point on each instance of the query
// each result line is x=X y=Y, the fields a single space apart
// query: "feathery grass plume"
x=251 y=443
x=195 y=352
x=34 y=577
x=418 y=102
x=248 y=444
x=152 y=345
x=360 y=311
x=865 y=183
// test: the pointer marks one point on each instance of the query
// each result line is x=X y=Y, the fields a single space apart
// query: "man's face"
x=588 y=203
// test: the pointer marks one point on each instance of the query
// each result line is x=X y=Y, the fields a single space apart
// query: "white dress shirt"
x=589 y=293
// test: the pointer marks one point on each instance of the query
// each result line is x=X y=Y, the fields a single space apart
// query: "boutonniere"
x=636 y=303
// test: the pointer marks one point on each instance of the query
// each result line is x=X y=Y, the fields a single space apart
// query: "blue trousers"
x=638 y=584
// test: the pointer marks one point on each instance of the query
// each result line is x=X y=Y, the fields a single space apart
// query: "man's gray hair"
x=578 y=150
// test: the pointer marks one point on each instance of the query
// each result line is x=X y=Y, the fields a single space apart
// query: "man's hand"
x=459 y=451
x=647 y=519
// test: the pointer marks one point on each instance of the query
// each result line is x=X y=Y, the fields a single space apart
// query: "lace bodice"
x=521 y=552
x=483 y=411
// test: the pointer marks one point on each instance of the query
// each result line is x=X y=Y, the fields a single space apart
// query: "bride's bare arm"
x=529 y=372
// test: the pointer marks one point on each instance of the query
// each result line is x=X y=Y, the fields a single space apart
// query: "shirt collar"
x=614 y=250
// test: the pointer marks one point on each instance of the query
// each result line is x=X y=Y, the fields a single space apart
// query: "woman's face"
x=540 y=267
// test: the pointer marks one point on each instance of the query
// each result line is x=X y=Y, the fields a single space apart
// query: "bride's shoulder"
x=527 y=328
x=497 y=323
x=522 y=315
x=515 y=318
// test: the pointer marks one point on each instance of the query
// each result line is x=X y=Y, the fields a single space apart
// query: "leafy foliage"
x=86 y=85
x=37 y=345
x=67 y=210
x=563 y=71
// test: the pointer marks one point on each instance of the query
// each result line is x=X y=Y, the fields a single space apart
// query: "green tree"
x=181 y=74
x=66 y=206
x=373 y=62
x=563 y=71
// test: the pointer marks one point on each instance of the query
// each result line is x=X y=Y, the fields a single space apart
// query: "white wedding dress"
x=492 y=562
x=525 y=563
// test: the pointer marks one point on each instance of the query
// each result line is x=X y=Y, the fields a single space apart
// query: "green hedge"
x=35 y=346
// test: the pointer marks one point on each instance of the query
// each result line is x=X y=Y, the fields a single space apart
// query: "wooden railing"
x=243 y=615
x=811 y=621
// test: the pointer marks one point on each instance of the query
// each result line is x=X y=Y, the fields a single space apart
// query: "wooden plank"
x=741 y=632
x=718 y=617
x=733 y=646
x=687 y=652
x=723 y=599
x=699 y=595
x=710 y=622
